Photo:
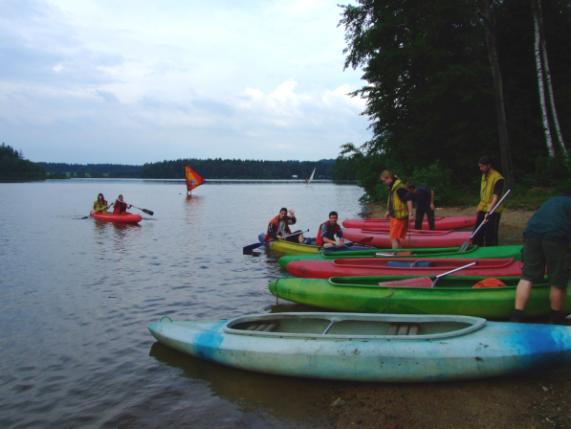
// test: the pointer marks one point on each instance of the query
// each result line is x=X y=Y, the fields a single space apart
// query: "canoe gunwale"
x=473 y=324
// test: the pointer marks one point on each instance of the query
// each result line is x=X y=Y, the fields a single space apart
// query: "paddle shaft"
x=491 y=212
x=439 y=276
x=149 y=212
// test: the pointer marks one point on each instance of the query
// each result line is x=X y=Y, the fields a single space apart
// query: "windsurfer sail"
x=310 y=178
x=193 y=179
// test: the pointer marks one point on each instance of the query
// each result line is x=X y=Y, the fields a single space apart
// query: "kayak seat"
x=403 y=329
x=262 y=327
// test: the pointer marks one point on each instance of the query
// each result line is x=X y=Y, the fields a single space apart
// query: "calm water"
x=76 y=296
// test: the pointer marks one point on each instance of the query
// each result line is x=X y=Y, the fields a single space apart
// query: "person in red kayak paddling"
x=399 y=208
x=100 y=205
x=278 y=227
x=546 y=248
x=329 y=233
x=491 y=188
x=120 y=206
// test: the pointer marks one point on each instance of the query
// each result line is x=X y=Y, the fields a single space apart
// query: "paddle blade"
x=420 y=282
x=149 y=212
x=249 y=249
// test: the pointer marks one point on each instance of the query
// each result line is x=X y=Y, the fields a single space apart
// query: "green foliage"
x=429 y=88
x=13 y=166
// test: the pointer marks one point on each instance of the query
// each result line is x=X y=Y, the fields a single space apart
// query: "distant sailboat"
x=310 y=178
x=193 y=179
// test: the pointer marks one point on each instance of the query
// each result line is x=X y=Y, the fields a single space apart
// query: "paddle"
x=466 y=244
x=248 y=250
x=149 y=212
x=424 y=282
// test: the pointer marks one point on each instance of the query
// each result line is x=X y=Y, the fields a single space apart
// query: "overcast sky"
x=133 y=81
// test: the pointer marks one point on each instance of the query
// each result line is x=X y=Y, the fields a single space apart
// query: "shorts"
x=398 y=228
x=539 y=254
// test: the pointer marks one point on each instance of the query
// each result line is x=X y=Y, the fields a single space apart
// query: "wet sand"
x=538 y=400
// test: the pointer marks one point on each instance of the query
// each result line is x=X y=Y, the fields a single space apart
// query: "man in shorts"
x=546 y=244
x=399 y=208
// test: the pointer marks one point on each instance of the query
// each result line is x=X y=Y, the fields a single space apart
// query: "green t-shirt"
x=552 y=221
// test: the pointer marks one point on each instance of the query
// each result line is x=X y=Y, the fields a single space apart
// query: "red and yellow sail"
x=193 y=179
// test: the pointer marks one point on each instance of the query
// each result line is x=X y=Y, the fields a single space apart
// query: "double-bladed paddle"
x=423 y=282
x=248 y=250
x=149 y=212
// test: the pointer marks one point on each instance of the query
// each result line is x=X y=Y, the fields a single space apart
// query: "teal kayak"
x=511 y=251
x=369 y=347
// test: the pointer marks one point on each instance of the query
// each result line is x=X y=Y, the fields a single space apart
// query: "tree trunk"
x=489 y=27
x=540 y=79
x=547 y=73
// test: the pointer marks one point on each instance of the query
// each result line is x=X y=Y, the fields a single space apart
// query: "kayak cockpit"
x=351 y=325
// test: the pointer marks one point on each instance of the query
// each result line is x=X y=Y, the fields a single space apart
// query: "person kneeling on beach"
x=546 y=244
x=328 y=231
x=399 y=208
x=278 y=227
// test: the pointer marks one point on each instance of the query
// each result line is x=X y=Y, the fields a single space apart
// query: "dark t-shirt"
x=552 y=221
x=422 y=197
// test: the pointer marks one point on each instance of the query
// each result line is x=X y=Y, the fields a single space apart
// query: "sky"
x=135 y=81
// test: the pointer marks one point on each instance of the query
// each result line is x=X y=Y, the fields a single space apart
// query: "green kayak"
x=511 y=251
x=451 y=295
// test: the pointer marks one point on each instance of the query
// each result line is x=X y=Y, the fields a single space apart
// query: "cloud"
x=240 y=79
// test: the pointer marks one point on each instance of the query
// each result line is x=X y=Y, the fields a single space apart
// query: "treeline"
x=58 y=170
x=432 y=91
x=208 y=168
x=13 y=166
x=239 y=169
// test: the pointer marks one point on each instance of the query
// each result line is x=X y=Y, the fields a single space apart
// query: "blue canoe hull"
x=493 y=349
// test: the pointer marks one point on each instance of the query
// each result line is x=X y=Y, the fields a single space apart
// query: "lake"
x=76 y=296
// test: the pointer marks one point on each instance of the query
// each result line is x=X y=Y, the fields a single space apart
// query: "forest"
x=447 y=81
x=208 y=168
x=13 y=166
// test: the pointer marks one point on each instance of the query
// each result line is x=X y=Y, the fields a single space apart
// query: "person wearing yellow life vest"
x=399 y=208
x=100 y=205
x=491 y=188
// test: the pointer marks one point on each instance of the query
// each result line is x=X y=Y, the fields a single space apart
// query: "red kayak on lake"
x=415 y=238
x=402 y=266
x=440 y=223
x=119 y=218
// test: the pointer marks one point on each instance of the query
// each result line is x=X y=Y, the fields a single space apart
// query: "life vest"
x=487 y=190
x=397 y=207
x=275 y=224
x=488 y=282
x=100 y=206
x=330 y=232
x=119 y=207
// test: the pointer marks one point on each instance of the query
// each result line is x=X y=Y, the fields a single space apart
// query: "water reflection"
x=251 y=390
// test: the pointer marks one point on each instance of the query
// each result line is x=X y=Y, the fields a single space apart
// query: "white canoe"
x=369 y=347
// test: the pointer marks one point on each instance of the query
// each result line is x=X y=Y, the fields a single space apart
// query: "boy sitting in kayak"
x=120 y=206
x=328 y=231
x=100 y=205
x=278 y=228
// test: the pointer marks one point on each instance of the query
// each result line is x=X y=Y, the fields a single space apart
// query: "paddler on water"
x=330 y=233
x=278 y=227
x=399 y=208
x=120 y=206
x=100 y=205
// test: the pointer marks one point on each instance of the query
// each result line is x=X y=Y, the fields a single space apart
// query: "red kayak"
x=119 y=218
x=402 y=266
x=440 y=223
x=414 y=239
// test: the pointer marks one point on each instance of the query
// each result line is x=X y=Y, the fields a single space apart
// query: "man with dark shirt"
x=423 y=197
x=546 y=245
x=491 y=188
